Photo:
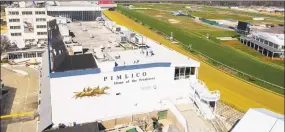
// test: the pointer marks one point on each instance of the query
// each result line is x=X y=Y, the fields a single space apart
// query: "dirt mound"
x=173 y=21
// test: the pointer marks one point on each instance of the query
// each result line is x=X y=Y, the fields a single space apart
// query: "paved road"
x=233 y=91
x=22 y=97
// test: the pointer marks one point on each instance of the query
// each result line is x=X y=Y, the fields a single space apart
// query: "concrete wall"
x=137 y=94
x=109 y=124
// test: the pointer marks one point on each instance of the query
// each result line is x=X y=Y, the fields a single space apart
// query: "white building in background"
x=139 y=78
x=269 y=44
x=27 y=25
x=27 y=22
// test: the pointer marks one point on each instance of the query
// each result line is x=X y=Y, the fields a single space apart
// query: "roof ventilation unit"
x=108 y=46
x=117 y=56
x=39 y=45
x=84 y=29
x=20 y=43
x=91 y=36
x=123 y=39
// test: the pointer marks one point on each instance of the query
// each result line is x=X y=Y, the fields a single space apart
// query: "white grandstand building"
x=142 y=76
x=269 y=44
x=94 y=70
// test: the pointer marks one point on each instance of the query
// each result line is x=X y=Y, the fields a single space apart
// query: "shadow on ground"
x=8 y=95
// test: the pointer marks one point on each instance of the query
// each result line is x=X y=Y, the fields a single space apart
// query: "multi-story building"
x=121 y=75
x=27 y=22
x=269 y=44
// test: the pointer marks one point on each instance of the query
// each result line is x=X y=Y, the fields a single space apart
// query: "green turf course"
x=210 y=12
x=222 y=54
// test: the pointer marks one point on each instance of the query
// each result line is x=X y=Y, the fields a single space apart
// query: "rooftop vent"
x=91 y=36
x=117 y=56
x=84 y=29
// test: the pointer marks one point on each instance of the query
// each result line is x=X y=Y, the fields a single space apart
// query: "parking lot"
x=22 y=97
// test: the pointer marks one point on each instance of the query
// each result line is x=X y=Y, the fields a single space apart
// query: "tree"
x=5 y=43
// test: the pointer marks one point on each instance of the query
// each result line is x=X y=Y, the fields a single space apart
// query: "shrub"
x=251 y=78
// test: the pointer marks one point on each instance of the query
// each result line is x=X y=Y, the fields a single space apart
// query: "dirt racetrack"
x=236 y=92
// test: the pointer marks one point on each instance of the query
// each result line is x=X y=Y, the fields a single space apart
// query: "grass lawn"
x=201 y=30
x=220 y=53
x=216 y=13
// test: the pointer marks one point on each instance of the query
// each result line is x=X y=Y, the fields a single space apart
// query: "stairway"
x=195 y=122
x=220 y=127
x=205 y=109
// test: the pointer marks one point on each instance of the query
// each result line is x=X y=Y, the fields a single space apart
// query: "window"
x=15 y=56
x=27 y=13
x=41 y=26
x=283 y=47
x=30 y=55
x=40 y=12
x=29 y=40
x=16 y=34
x=266 y=42
x=187 y=72
x=192 y=71
x=40 y=19
x=41 y=33
x=183 y=72
x=15 y=27
x=43 y=39
x=39 y=54
x=176 y=73
x=14 y=20
x=271 y=44
x=13 y=13
x=275 y=46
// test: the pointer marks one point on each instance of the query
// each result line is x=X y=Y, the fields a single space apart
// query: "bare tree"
x=5 y=43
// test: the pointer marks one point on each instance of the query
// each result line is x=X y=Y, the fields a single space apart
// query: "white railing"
x=208 y=95
x=212 y=96
x=205 y=109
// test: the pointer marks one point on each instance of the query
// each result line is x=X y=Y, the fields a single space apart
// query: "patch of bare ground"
x=227 y=70
x=201 y=57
